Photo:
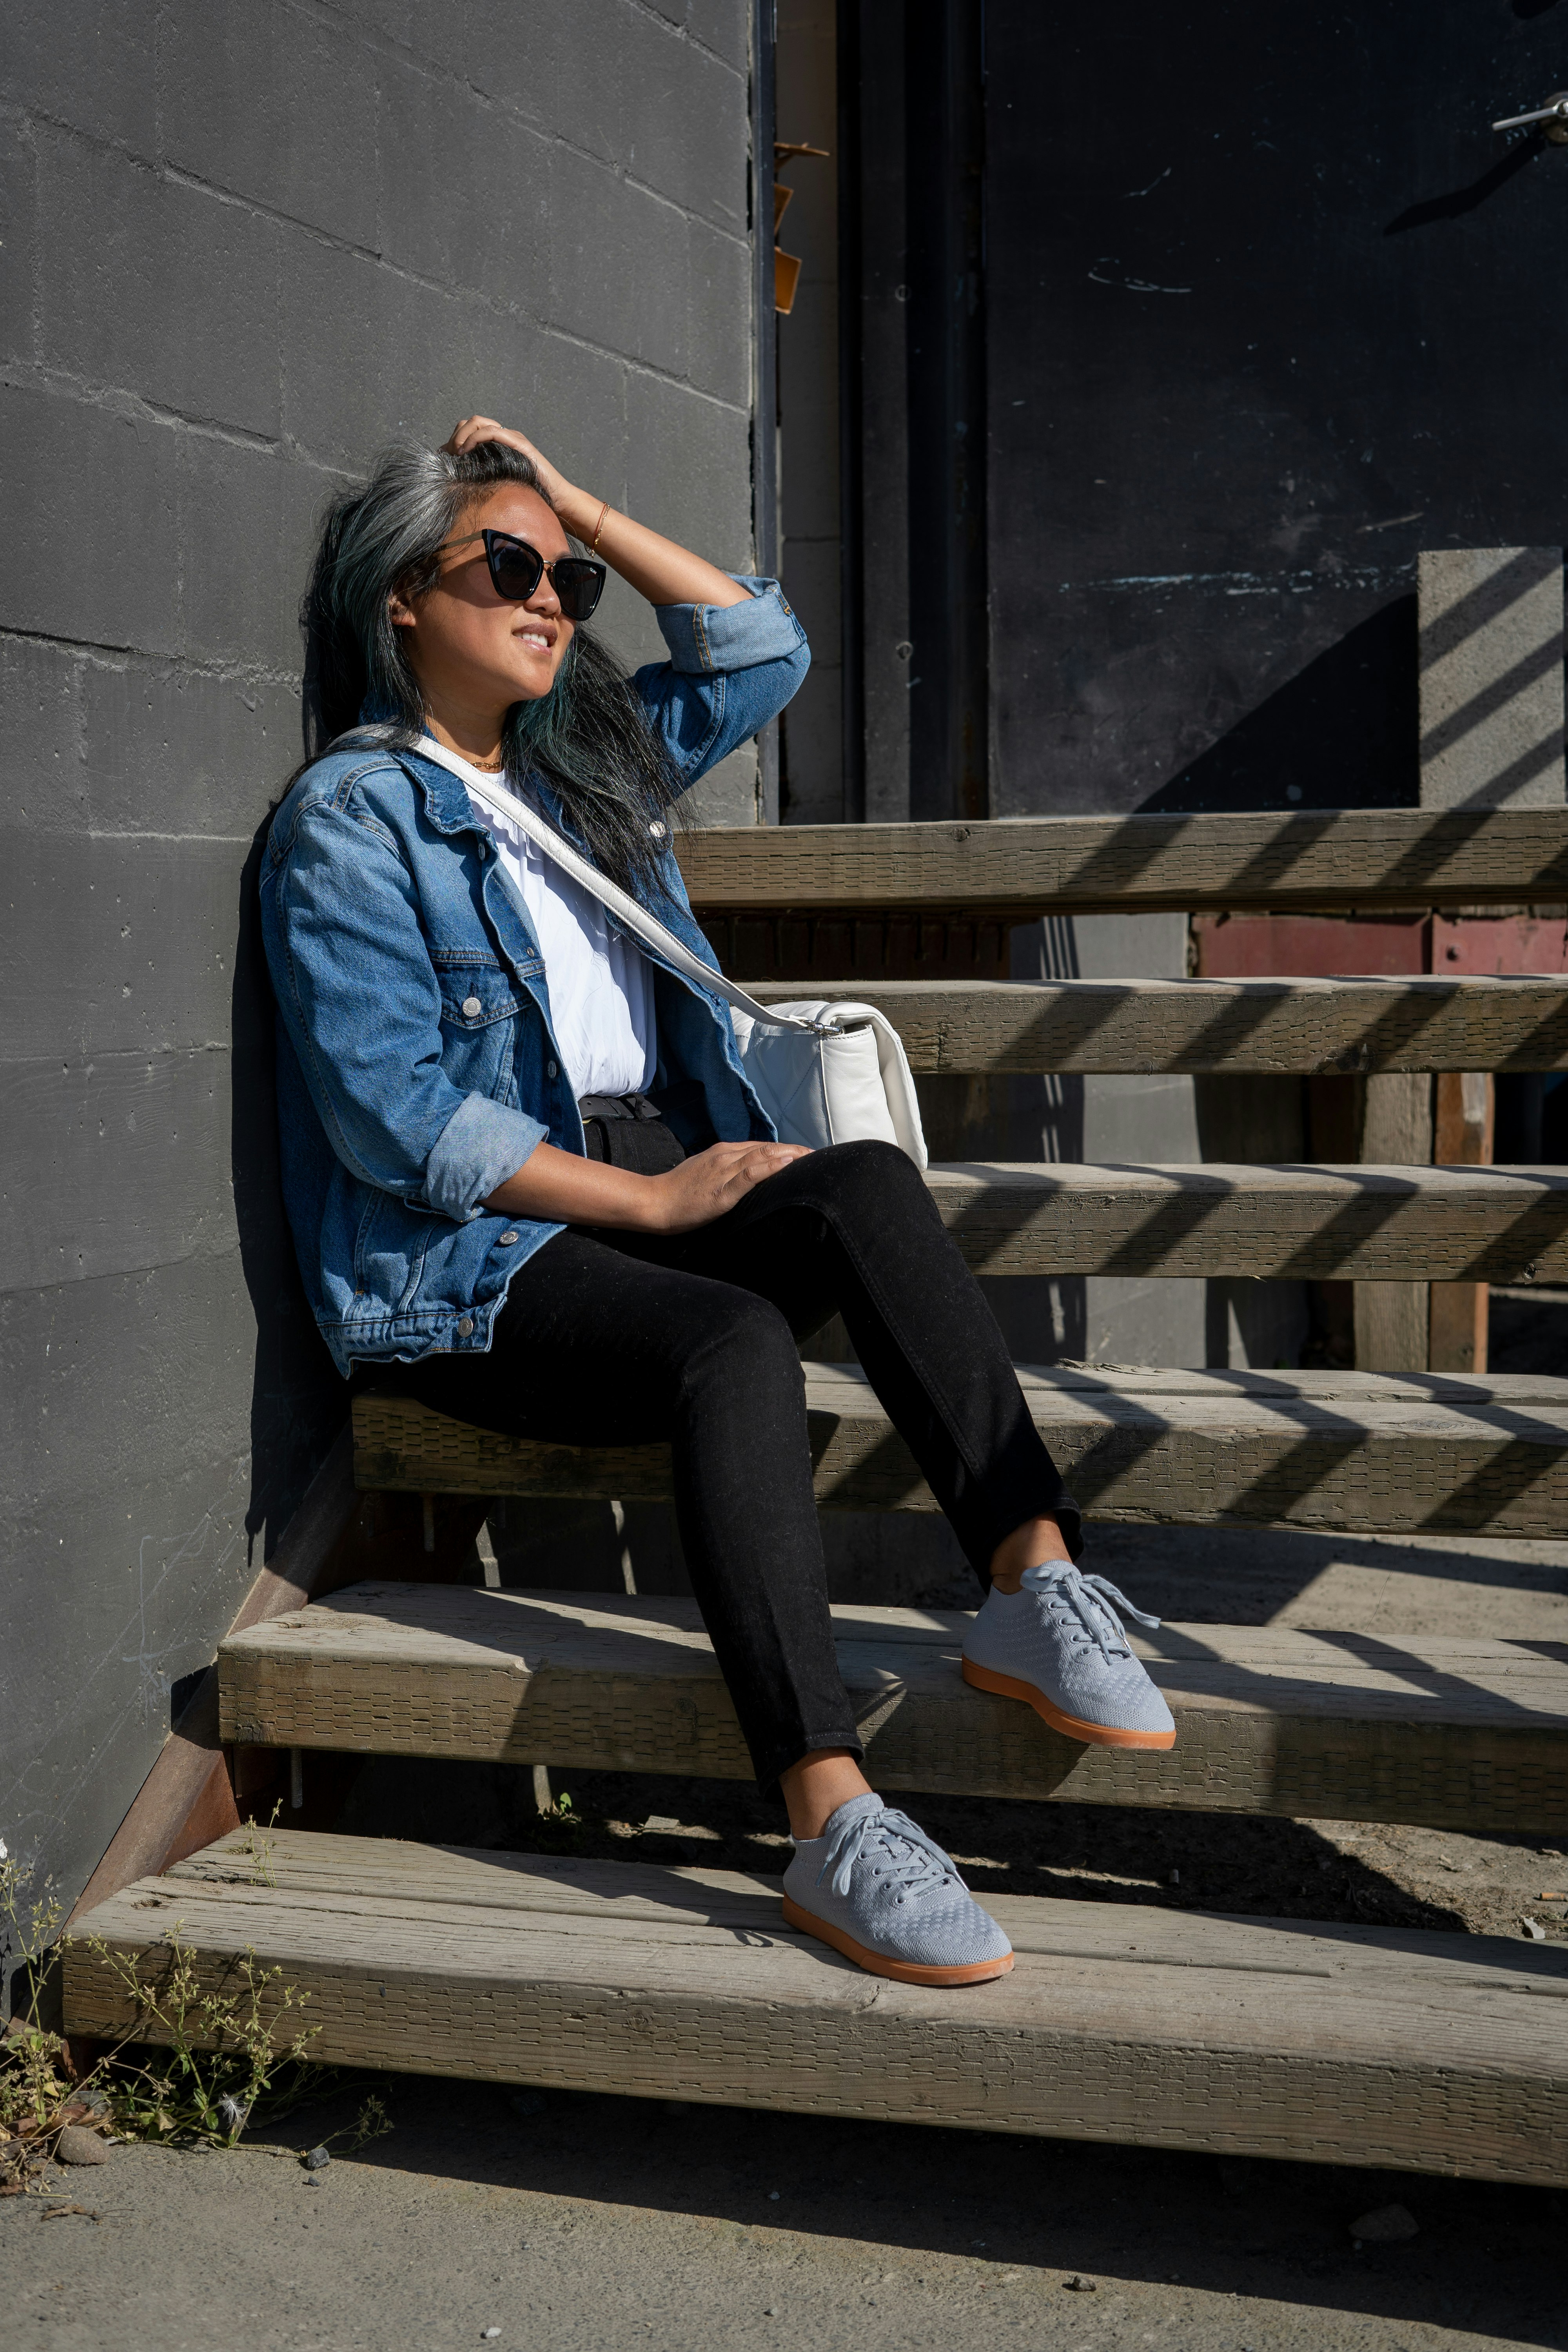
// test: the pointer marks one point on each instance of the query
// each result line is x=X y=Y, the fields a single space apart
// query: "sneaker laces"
x=914 y=1861
x=1094 y=1600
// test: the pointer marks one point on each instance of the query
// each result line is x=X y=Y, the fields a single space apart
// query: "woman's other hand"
x=474 y=429
x=562 y=1188
x=703 y=1187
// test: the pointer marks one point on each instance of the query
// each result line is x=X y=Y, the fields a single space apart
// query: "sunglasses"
x=516 y=570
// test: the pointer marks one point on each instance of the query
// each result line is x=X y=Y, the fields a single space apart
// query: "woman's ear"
x=400 y=615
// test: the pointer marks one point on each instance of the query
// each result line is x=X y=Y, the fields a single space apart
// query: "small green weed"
x=36 y=2094
x=218 y=2064
x=560 y=1828
x=260 y=1852
x=206 y=2062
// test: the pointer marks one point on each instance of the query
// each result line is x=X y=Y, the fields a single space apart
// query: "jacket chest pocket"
x=476 y=997
x=479 y=1006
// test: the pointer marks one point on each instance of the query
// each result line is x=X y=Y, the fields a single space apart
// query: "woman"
x=526 y=1176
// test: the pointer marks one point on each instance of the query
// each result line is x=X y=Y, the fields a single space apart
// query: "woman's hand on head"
x=703 y=1187
x=656 y=568
x=473 y=430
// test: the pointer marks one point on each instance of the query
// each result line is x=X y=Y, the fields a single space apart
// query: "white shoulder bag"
x=824 y=1073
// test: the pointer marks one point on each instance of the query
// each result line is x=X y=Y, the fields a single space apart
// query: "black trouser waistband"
x=617 y=1107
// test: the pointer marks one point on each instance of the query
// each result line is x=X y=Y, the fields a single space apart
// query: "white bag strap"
x=646 y=927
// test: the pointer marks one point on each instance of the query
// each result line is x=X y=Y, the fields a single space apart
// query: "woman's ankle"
x=816 y=1784
x=1036 y=1541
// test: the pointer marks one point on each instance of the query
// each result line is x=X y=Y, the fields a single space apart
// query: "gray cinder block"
x=1490 y=624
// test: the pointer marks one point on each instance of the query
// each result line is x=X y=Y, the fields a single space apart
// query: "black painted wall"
x=241 y=242
x=1268 y=308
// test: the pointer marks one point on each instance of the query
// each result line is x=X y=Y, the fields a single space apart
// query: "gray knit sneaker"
x=879 y=1891
x=1058 y=1645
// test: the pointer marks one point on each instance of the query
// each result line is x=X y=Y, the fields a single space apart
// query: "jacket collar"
x=447 y=801
x=449 y=808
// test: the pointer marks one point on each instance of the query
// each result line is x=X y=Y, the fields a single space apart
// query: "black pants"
x=623 y=1339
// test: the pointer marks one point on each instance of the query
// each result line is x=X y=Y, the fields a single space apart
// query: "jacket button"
x=465 y=1327
x=551 y=1071
x=472 y=1008
x=507 y=1240
x=658 y=829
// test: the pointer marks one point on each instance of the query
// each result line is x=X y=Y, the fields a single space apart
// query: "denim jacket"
x=416 y=1064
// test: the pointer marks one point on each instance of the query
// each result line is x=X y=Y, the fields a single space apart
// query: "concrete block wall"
x=243 y=242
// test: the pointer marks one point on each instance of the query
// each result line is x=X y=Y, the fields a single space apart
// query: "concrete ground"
x=617 y=2225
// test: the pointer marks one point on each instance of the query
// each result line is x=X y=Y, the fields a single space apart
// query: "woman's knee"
x=869 y=1179
x=743 y=1344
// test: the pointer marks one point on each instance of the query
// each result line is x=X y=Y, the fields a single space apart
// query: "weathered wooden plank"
x=1292 y=1224
x=1315 y=1384
x=1022 y=867
x=1283 y=1027
x=1279 y=1459
x=1461 y=1733
x=1436 y=2053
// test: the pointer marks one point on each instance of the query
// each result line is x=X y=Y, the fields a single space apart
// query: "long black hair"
x=589 y=736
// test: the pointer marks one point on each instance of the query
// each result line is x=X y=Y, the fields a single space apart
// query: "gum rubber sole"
x=877 y=1964
x=1094 y=1735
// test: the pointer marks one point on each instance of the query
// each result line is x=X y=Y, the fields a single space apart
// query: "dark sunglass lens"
x=579 y=585
x=516 y=568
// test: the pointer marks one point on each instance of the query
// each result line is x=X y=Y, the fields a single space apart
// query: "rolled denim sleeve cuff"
x=712 y=638
x=480 y=1146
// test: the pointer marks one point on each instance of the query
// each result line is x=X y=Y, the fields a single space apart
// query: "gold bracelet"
x=598 y=527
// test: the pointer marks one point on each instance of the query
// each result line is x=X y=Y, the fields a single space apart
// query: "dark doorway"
x=1265 y=316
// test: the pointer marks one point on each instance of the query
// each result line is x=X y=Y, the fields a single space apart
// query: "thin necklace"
x=485 y=767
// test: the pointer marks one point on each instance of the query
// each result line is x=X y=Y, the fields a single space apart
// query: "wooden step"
x=1348 y=1452
x=1245 y=1026
x=1345 y=2046
x=1294 y=1223
x=1018 y=868
x=1458 y=1733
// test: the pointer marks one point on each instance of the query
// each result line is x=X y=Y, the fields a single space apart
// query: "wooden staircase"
x=1459 y=1733
x=1387 y=1454
x=1358 y=2045
x=1440 y=2052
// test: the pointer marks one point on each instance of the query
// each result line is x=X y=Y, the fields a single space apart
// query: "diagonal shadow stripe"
x=1221 y=1041
x=1422 y=855
x=1395 y=1015
x=1436 y=844
x=1386 y=1653
x=1527 y=1450
x=991 y=1225
x=1544 y=1047
x=1540 y=759
x=1392 y=1037
x=1543 y=661
x=1539 y=1228
x=1446 y=632
x=1381 y=1198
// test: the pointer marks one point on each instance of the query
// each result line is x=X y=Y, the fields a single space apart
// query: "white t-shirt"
x=601 y=987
